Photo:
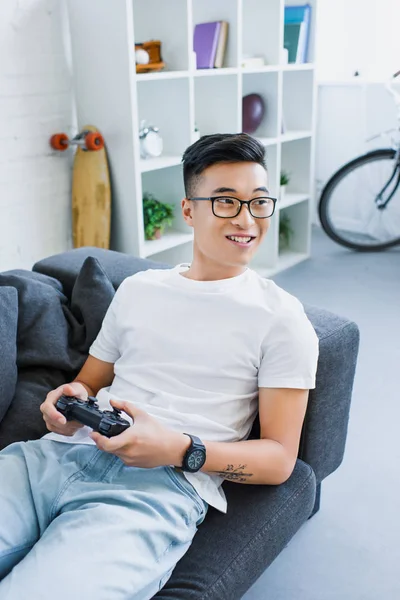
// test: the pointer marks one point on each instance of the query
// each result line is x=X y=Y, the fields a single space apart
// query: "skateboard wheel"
x=59 y=141
x=94 y=141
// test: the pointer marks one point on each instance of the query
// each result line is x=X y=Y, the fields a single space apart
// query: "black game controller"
x=87 y=412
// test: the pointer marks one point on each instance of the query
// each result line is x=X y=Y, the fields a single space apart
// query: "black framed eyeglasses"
x=227 y=207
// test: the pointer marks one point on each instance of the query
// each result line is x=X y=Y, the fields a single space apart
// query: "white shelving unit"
x=110 y=95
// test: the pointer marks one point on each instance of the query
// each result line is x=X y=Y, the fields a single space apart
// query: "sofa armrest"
x=325 y=426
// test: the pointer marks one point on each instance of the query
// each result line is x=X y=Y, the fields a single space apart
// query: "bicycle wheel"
x=348 y=208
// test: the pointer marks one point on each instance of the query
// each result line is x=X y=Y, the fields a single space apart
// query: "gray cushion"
x=53 y=340
x=118 y=266
x=91 y=296
x=8 y=337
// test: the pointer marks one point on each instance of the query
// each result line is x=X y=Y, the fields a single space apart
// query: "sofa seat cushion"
x=8 y=346
x=232 y=550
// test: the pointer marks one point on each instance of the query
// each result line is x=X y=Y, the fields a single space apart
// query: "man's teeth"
x=242 y=240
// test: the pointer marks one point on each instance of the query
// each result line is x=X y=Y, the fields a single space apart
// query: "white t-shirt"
x=194 y=353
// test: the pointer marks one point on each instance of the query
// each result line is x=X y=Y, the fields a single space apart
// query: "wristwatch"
x=195 y=455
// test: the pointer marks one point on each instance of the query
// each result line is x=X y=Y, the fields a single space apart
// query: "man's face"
x=212 y=243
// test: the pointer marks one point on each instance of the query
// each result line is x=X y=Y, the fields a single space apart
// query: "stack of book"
x=297 y=32
x=209 y=43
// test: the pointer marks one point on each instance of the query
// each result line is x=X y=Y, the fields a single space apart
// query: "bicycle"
x=351 y=219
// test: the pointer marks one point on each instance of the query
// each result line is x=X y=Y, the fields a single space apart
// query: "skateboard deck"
x=91 y=197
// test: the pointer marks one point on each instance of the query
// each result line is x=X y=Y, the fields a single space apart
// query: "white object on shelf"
x=252 y=62
x=142 y=57
x=117 y=99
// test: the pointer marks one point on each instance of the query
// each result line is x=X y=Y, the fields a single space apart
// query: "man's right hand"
x=55 y=421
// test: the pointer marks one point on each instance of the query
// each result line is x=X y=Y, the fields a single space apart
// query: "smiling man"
x=191 y=355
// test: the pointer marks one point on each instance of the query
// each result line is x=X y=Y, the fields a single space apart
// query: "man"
x=190 y=354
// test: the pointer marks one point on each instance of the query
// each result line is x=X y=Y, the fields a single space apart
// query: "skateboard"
x=91 y=191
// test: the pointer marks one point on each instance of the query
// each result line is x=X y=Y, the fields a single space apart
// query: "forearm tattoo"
x=232 y=473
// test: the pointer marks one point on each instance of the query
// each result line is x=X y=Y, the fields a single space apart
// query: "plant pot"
x=156 y=235
x=282 y=193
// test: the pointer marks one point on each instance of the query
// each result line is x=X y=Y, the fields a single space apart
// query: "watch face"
x=196 y=460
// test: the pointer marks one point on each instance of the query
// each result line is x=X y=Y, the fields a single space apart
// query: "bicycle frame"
x=380 y=203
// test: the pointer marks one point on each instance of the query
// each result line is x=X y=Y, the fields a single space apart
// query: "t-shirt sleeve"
x=289 y=353
x=106 y=346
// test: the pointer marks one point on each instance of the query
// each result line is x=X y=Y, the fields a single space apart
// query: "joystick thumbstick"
x=91 y=401
x=116 y=411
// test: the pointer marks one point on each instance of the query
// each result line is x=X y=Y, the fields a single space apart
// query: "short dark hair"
x=219 y=148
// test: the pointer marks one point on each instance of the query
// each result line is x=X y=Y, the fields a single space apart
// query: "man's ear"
x=187 y=211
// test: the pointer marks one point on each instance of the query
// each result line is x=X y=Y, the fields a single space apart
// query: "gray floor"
x=350 y=550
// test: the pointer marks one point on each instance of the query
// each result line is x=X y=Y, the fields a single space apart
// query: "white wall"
x=354 y=35
x=35 y=101
x=357 y=35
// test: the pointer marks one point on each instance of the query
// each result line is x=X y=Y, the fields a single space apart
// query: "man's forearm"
x=250 y=461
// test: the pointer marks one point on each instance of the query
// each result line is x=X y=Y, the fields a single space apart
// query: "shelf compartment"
x=266 y=85
x=171 y=115
x=296 y=161
x=298 y=92
x=170 y=239
x=299 y=242
x=167 y=186
x=213 y=114
x=298 y=67
x=261 y=27
x=161 y=75
x=215 y=72
x=291 y=136
x=161 y=162
x=271 y=159
x=264 y=69
x=152 y=21
x=205 y=11
x=291 y=199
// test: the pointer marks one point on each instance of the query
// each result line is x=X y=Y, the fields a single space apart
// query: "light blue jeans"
x=76 y=523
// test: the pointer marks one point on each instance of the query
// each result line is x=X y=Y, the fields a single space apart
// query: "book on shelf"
x=297 y=32
x=221 y=47
x=209 y=43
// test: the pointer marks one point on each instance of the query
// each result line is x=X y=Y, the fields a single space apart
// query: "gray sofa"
x=48 y=318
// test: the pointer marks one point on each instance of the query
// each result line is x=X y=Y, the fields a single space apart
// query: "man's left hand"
x=147 y=443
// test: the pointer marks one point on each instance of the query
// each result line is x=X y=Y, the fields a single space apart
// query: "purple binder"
x=205 y=43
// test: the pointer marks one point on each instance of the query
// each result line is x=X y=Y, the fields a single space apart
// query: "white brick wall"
x=35 y=102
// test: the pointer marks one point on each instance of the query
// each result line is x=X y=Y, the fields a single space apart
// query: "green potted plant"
x=285 y=178
x=285 y=231
x=156 y=216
